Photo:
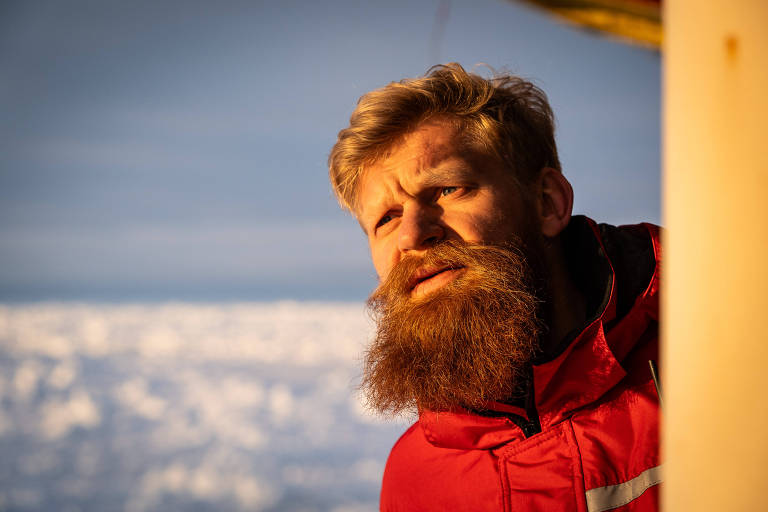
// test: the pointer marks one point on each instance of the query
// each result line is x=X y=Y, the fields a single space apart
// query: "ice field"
x=187 y=407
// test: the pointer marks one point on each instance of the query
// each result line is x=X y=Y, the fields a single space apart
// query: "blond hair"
x=504 y=116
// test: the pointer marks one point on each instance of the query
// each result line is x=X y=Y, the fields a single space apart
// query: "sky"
x=177 y=150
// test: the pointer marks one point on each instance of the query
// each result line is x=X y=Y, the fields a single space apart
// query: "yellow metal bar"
x=633 y=21
x=715 y=296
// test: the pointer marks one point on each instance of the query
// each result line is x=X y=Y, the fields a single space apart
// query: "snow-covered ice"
x=245 y=406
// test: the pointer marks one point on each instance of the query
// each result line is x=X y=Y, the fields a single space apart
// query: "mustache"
x=447 y=255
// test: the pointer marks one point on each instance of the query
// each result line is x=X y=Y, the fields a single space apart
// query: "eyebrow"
x=437 y=176
x=430 y=177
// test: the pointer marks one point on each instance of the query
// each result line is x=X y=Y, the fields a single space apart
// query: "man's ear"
x=555 y=198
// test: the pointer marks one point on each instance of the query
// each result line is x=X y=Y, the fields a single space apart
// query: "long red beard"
x=461 y=345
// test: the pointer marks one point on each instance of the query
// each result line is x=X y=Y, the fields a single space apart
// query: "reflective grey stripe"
x=612 y=496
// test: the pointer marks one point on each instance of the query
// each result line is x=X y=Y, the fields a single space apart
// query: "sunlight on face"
x=430 y=189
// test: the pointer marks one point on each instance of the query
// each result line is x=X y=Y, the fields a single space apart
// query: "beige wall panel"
x=715 y=303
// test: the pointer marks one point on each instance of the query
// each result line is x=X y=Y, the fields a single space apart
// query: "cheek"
x=383 y=258
x=490 y=225
x=505 y=217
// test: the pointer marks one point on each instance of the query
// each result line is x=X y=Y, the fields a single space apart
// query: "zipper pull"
x=531 y=428
x=655 y=377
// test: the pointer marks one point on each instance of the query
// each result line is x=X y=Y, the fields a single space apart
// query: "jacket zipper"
x=533 y=425
x=530 y=425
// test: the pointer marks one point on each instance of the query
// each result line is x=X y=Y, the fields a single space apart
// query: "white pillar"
x=715 y=296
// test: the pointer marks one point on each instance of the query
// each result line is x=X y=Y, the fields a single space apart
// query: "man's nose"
x=419 y=229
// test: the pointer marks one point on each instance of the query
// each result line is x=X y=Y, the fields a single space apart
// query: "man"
x=519 y=333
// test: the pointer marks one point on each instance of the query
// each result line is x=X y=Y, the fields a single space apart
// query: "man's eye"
x=384 y=220
x=448 y=190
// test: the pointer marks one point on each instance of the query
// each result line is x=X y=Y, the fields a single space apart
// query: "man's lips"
x=429 y=278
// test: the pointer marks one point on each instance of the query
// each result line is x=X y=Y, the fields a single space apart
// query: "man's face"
x=457 y=310
x=430 y=188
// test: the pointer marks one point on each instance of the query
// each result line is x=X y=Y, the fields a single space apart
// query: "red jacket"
x=588 y=439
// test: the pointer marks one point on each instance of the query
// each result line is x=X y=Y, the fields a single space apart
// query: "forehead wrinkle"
x=415 y=162
x=388 y=189
x=432 y=168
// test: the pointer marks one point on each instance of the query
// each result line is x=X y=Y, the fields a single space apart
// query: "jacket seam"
x=578 y=470
x=595 y=407
x=540 y=439
x=506 y=492
x=653 y=283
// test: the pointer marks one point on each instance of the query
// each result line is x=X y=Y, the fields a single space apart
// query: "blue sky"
x=177 y=150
